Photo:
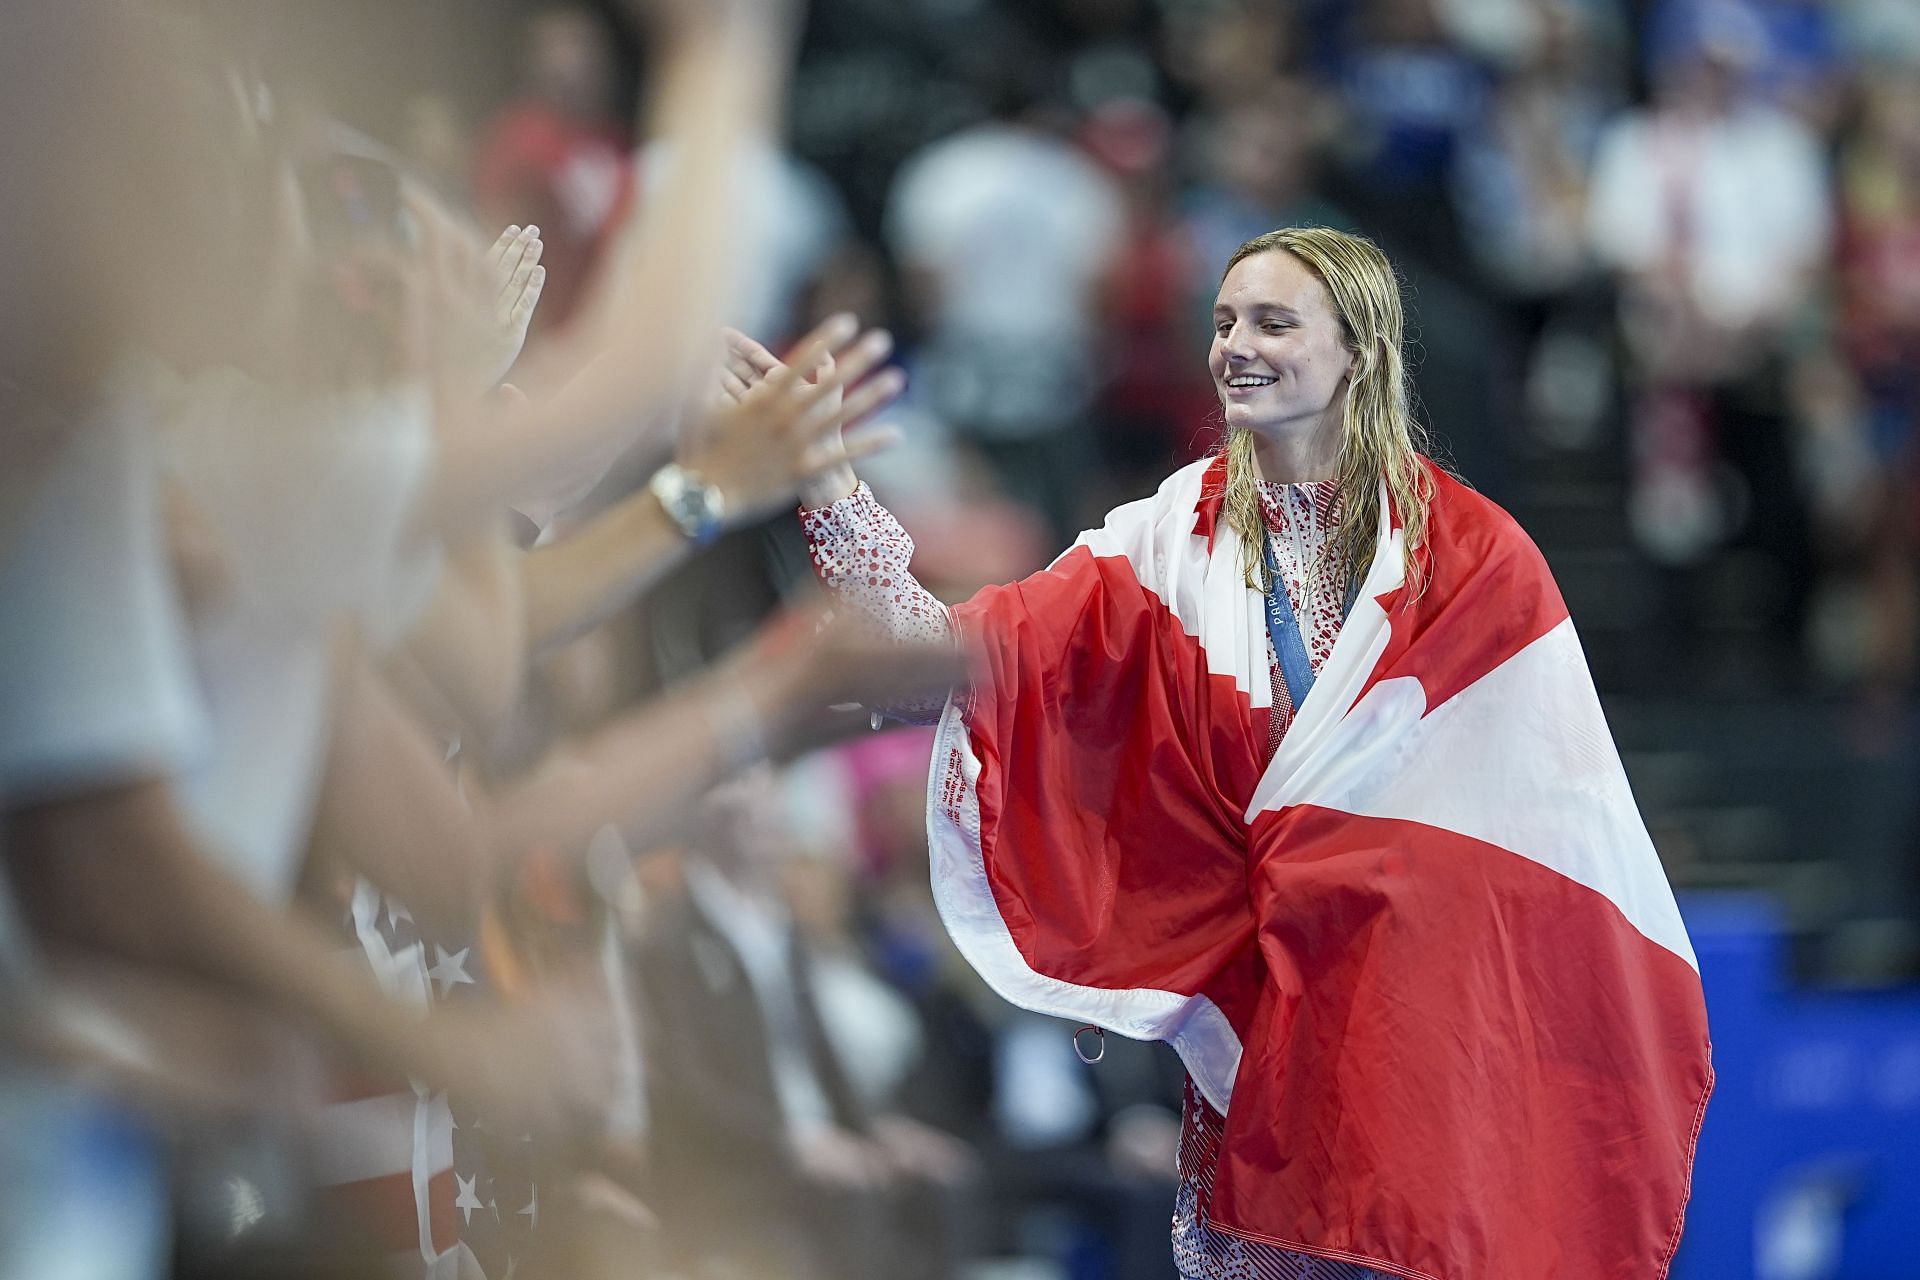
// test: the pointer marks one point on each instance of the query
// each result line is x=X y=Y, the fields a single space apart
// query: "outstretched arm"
x=862 y=555
x=390 y=810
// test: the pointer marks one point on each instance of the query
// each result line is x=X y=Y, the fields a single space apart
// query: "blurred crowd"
x=1671 y=242
x=432 y=847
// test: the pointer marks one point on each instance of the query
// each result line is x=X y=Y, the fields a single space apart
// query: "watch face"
x=694 y=506
x=702 y=503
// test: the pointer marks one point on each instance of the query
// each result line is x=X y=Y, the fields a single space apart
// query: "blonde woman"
x=1297 y=766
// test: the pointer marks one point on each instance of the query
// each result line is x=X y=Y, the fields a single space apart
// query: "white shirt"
x=1750 y=189
x=95 y=686
x=311 y=503
x=1016 y=225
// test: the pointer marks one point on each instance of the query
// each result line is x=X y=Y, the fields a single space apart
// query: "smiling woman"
x=1319 y=312
x=1281 y=361
x=1261 y=768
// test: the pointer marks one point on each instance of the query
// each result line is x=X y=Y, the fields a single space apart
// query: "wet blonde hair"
x=1378 y=435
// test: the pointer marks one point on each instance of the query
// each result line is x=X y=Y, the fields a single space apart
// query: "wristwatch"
x=696 y=508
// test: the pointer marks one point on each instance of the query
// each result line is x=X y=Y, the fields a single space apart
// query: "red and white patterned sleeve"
x=862 y=557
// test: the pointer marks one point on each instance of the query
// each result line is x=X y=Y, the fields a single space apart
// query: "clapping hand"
x=514 y=265
x=777 y=427
x=543 y=1064
x=477 y=303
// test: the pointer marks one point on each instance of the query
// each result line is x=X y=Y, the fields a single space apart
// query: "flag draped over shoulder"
x=1425 y=960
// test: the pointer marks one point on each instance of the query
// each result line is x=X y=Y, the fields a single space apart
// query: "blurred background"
x=1663 y=266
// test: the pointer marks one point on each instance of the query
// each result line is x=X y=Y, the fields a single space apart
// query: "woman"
x=1297 y=765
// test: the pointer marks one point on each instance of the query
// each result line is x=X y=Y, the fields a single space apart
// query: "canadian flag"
x=1425 y=959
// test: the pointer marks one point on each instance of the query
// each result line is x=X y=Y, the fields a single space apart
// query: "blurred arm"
x=117 y=872
x=580 y=581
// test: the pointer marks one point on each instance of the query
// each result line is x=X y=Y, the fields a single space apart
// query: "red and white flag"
x=1425 y=960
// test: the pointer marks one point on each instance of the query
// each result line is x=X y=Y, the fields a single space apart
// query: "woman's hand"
x=478 y=303
x=542 y=1065
x=805 y=665
x=778 y=428
x=513 y=264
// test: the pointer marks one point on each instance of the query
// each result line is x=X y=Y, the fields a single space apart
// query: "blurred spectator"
x=798 y=222
x=1788 y=52
x=1520 y=183
x=1079 y=1159
x=1220 y=54
x=556 y=157
x=1410 y=93
x=1879 y=355
x=1521 y=176
x=1003 y=233
x=1712 y=210
x=1257 y=161
x=1510 y=33
x=1154 y=410
x=765 y=1150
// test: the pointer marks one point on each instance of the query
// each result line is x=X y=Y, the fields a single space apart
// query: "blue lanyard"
x=1284 y=630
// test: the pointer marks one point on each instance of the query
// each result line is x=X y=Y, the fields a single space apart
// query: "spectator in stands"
x=1712 y=211
x=1790 y=53
x=766 y=1151
x=1520 y=185
x=1258 y=168
x=1217 y=55
x=1520 y=178
x=1410 y=92
x=1154 y=410
x=1003 y=233
x=1879 y=355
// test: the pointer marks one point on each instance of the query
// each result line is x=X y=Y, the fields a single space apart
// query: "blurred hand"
x=777 y=427
x=544 y=1065
x=514 y=265
x=800 y=666
x=744 y=363
x=476 y=303
x=921 y=1151
x=837 y=1158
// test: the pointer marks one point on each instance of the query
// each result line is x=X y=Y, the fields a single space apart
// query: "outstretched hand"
x=778 y=427
x=806 y=665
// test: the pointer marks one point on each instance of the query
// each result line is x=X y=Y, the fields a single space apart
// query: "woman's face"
x=1279 y=359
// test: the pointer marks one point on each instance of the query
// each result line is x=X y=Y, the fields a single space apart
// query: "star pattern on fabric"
x=533 y=1206
x=449 y=970
x=467 y=1201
